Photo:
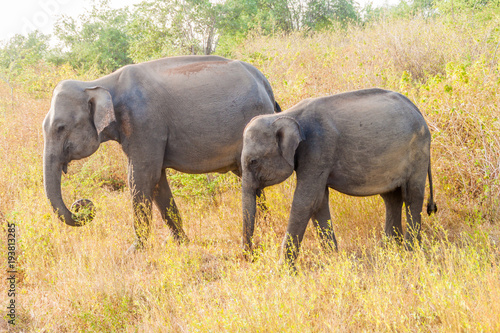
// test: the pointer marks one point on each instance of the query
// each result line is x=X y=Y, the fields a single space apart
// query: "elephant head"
x=268 y=158
x=73 y=129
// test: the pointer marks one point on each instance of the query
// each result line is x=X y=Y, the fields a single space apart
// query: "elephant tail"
x=431 y=205
x=277 y=107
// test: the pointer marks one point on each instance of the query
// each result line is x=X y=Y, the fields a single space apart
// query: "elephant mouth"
x=65 y=168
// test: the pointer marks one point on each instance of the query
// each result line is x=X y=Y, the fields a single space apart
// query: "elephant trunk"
x=52 y=170
x=249 y=209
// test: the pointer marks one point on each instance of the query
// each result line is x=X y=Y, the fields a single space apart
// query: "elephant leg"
x=393 y=206
x=414 y=201
x=165 y=203
x=308 y=198
x=142 y=181
x=142 y=216
x=323 y=223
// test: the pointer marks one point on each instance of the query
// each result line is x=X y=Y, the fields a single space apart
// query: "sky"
x=24 y=16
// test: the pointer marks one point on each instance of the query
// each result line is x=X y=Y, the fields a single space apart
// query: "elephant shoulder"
x=130 y=73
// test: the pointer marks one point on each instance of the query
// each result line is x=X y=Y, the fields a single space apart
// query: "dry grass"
x=79 y=279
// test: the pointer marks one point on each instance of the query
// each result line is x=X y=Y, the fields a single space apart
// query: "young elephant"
x=360 y=143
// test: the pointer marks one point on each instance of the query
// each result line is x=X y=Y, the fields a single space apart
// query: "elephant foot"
x=249 y=256
x=135 y=247
x=329 y=246
x=179 y=240
x=390 y=241
x=412 y=244
x=248 y=252
x=288 y=268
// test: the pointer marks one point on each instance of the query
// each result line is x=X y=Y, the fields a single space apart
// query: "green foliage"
x=104 y=39
x=280 y=16
x=150 y=37
x=97 y=39
x=412 y=8
x=201 y=185
x=21 y=52
x=285 y=16
x=371 y=14
x=457 y=6
x=25 y=62
x=40 y=79
x=173 y=27
x=322 y=14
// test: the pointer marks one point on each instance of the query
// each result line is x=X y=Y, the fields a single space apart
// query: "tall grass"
x=449 y=70
x=78 y=279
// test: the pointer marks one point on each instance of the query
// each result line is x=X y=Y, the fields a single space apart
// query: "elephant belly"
x=358 y=187
x=370 y=176
x=203 y=158
x=205 y=166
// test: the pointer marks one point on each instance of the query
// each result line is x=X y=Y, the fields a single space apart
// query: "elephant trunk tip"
x=83 y=212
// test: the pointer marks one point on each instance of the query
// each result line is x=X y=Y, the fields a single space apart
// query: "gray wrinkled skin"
x=186 y=113
x=360 y=143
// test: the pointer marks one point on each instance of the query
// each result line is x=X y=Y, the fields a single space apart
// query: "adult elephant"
x=186 y=113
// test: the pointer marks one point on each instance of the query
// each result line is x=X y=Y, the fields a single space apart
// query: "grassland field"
x=79 y=280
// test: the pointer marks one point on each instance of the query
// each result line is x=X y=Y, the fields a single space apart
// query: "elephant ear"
x=288 y=136
x=101 y=105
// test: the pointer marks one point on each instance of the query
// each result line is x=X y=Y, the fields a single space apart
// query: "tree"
x=322 y=14
x=97 y=39
x=172 y=27
x=21 y=50
x=452 y=6
x=19 y=53
x=283 y=15
x=413 y=8
x=272 y=16
x=196 y=23
x=265 y=16
x=372 y=14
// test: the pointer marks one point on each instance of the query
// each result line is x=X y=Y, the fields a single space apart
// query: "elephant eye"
x=253 y=162
x=60 y=128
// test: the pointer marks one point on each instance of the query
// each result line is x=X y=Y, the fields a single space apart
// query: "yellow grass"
x=78 y=279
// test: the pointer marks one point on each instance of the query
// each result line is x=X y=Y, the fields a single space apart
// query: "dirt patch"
x=194 y=68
